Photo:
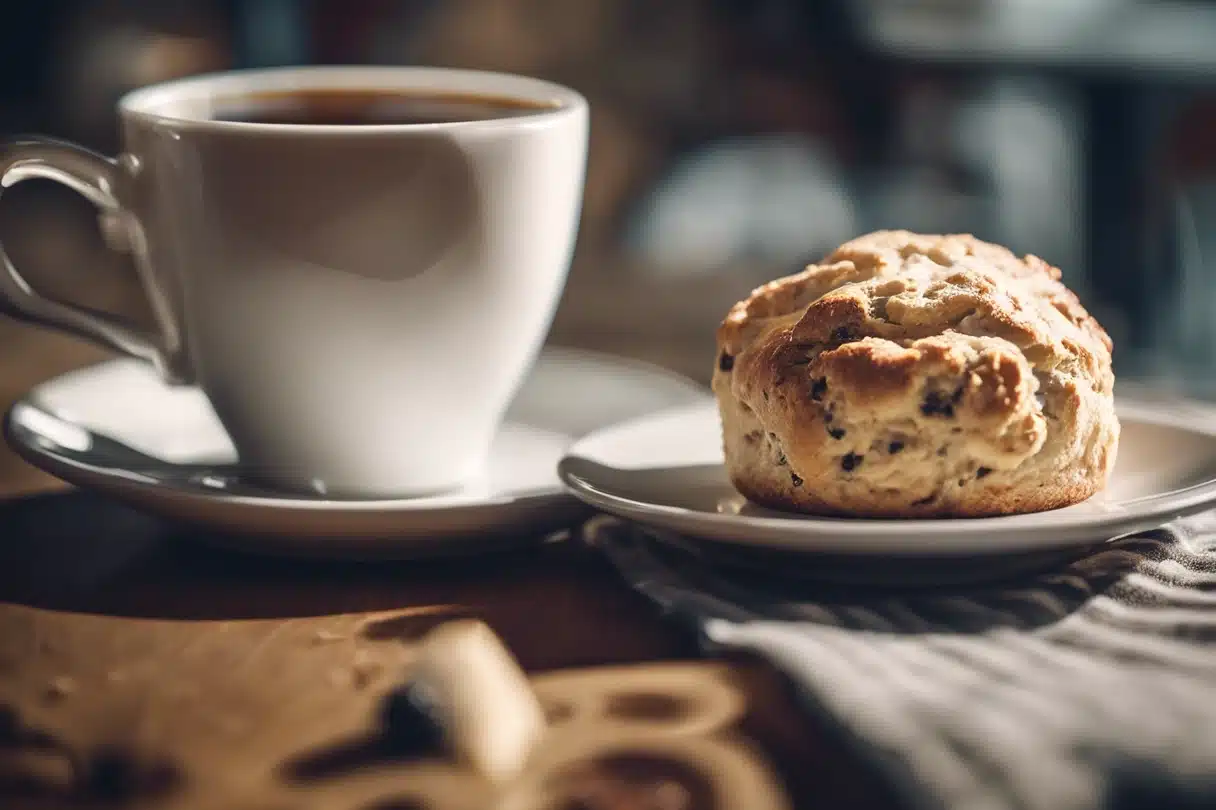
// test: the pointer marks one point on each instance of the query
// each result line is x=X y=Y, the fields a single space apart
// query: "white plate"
x=115 y=428
x=666 y=471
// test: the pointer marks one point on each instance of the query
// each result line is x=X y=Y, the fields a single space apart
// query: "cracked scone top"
x=918 y=376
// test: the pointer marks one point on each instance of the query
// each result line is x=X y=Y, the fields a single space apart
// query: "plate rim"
x=50 y=461
x=854 y=531
x=145 y=488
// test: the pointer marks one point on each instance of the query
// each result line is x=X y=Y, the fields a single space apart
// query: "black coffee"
x=368 y=107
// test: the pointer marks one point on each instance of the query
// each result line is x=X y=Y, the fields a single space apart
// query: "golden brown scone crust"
x=912 y=375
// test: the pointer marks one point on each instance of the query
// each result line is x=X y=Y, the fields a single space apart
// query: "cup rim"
x=149 y=103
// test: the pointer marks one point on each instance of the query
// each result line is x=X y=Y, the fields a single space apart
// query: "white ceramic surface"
x=359 y=302
x=666 y=471
x=118 y=429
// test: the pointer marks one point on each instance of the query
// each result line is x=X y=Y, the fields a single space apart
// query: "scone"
x=914 y=375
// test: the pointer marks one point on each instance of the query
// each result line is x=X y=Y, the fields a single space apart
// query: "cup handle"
x=93 y=176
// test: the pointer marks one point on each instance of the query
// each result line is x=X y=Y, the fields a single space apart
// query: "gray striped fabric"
x=1091 y=686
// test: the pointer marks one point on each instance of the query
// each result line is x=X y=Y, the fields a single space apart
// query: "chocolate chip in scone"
x=796 y=479
x=828 y=417
x=836 y=433
x=850 y=461
x=937 y=403
x=725 y=362
x=895 y=446
x=782 y=460
x=842 y=334
x=819 y=388
x=983 y=472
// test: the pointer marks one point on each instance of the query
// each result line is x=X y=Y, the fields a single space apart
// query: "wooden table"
x=145 y=669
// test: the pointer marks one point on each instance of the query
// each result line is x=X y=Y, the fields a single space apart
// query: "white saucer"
x=666 y=471
x=117 y=429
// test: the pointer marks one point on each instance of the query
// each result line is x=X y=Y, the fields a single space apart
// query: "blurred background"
x=732 y=141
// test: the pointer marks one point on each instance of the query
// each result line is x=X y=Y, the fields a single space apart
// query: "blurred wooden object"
x=476 y=693
x=152 y=672
x=268 y=713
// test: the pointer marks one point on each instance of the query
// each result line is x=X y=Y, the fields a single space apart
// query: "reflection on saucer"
x=733 y=505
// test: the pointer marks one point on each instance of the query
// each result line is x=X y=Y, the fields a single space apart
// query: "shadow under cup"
x=360 y=301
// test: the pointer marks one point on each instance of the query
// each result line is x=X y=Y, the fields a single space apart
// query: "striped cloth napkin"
x=1089 y=686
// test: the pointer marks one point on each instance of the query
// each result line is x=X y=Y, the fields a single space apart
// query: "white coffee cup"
x=359 y=302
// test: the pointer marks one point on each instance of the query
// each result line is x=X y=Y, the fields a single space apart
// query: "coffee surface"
x=345 y=107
